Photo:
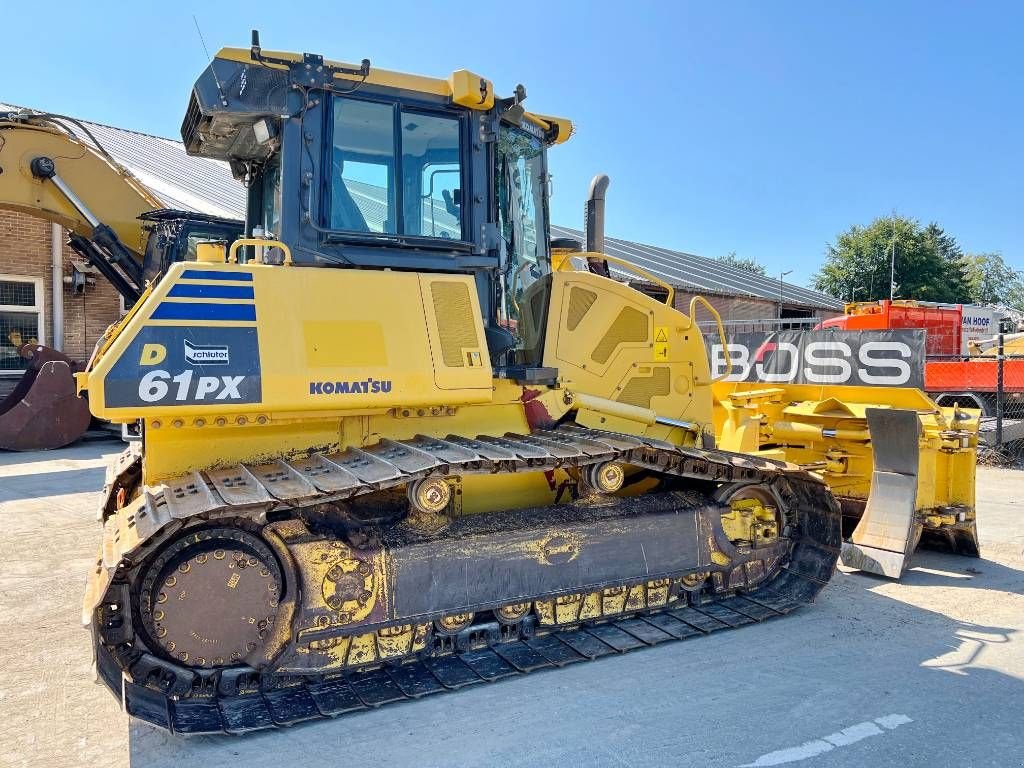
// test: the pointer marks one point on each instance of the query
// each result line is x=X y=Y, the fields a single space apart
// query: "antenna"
x=220 y=89
x=200 y=33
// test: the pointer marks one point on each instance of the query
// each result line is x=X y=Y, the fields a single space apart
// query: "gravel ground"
x=929 y=671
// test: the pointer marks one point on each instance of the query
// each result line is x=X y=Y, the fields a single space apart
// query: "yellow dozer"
x=389 y=451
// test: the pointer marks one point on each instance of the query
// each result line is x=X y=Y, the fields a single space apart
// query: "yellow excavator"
x=53 y=167
x=394 y=442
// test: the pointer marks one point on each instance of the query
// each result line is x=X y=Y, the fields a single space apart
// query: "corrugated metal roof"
x=206 y=186
x=703 y=274
x=190 y=183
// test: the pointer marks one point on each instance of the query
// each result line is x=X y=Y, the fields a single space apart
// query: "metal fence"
x=766 y=325
x=992 y=381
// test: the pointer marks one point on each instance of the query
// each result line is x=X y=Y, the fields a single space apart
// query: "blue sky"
x=761 y=128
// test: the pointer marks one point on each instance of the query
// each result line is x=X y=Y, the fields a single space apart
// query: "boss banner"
x=875 y=358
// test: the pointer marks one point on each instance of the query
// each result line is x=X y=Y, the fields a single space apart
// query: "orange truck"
x=953 y=374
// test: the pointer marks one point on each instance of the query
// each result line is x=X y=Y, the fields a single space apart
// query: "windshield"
x=395 y=171
x=520 y=180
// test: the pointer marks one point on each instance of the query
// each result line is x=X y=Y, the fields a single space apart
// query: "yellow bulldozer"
x=394 y=443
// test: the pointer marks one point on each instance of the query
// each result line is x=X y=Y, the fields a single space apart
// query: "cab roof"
x=461 y=87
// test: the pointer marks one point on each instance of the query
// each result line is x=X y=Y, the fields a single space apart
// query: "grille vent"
x=629 y=327
x=641 y=389
x=455 y=322
x=580 y=302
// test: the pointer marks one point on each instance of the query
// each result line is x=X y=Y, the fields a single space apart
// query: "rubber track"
x=286 y=700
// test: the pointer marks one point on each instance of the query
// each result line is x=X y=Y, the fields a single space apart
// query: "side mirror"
x=514 y=114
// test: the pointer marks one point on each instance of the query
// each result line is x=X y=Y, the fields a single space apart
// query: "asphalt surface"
x=927 y=672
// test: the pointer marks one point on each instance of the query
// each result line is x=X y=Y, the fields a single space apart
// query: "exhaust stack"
x=594 y=223
x=594 y=213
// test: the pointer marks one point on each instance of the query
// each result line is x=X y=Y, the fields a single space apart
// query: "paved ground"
x=926 y=672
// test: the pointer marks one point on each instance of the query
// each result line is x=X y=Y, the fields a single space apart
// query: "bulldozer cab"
x=371 y=169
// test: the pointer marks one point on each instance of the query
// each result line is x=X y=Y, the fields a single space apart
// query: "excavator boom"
x=52 y=167
x=29 y=139
x=47 y=166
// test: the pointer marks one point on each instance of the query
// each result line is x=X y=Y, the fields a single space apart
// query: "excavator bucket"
x=44 y=410
x=888 y=532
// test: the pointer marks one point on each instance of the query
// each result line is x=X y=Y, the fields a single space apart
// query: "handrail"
x=256 y=241
x=566 y=266
x=721 y=333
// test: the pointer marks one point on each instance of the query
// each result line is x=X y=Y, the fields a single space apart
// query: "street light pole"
x=782 y=275
x=892 y=264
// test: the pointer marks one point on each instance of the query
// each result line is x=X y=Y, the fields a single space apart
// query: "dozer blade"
x=44 y=410
x=887 y=533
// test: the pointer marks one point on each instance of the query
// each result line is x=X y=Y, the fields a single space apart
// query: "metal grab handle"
x=233 y=251
x=721 y=333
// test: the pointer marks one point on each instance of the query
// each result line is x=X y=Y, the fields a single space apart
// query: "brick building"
x=26 y=294
x=35 y=261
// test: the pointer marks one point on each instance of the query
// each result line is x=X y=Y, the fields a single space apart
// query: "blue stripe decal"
x=213 y=274
x=172 y=311
x=186 y=291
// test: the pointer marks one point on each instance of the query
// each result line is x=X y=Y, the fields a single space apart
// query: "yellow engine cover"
x=609 y=340
x=227 y=339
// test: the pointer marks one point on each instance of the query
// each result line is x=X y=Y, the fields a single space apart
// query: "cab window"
x=520 y=190
x=395 y=171
x=362 y=167
x=431 y=176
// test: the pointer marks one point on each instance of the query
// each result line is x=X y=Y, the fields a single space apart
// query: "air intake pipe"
x=594 y=222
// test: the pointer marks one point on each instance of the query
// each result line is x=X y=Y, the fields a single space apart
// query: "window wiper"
x=399 y=241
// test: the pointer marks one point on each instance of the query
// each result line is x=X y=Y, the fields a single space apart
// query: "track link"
x=239 y=699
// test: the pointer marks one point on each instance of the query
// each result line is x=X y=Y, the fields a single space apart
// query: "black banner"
x=832 y=357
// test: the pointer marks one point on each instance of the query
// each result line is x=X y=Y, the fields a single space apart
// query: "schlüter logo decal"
x=212 y=355
x=876 y=358
x=369 y=386
x=172 y=365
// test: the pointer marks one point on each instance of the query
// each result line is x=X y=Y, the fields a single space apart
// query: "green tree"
x=952 y=258
x=750 y=265
x=928 y=266
x=990 y=280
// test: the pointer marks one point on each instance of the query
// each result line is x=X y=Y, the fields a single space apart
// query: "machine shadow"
x=42 y=485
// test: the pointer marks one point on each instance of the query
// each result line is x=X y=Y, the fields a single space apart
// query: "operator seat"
x=345 y=214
